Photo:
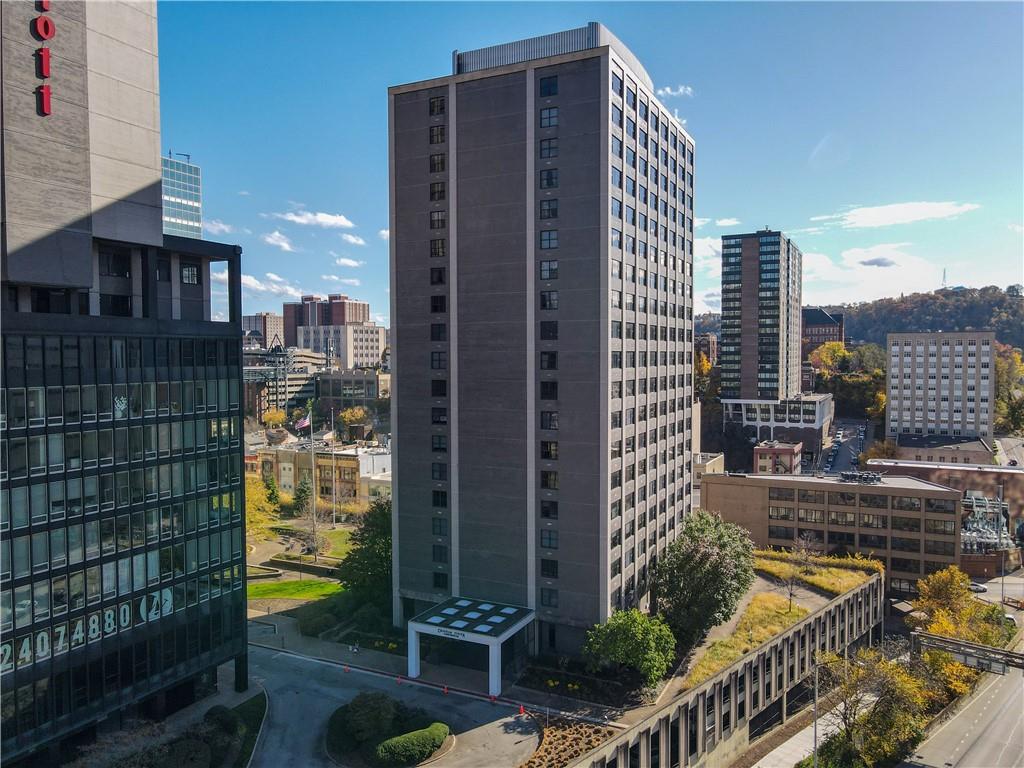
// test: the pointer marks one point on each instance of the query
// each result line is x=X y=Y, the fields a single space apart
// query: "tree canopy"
x=702 y=575
x=260 y=511
x=632 y=639
x=366 y=570
x=274 y=417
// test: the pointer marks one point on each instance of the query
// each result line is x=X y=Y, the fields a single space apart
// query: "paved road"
x=304 y=692
x=987 y=733
x=849 y=445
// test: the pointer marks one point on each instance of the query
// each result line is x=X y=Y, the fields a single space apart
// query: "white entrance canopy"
x=472 y=621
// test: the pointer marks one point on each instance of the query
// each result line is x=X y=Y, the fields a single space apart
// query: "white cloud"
x=353 y=239
x=316 y=219
x=699 y=222
x=243 y=192
x=865 y=274
x=384 y=234
x=707 y=301
x=353 y=281
x=669 y=92
x=249 y=283
x=344 y=261
x=275 y=278
x=707 y=256
x=727 y=222
x=381 y=319
x=217 y=227
x=279 y=240
x=1018 y=228
x=896 y=213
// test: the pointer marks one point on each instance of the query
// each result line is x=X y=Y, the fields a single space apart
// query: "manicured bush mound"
x=411 y=748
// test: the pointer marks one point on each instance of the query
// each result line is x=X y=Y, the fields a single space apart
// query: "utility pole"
x=316 y=480
x=334 y=475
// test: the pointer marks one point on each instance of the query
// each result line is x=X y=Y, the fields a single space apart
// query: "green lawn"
x=339 y=541
x=252 y=712
x=294 y=589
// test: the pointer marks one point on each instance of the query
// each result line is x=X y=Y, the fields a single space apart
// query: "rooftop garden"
x=830 y=574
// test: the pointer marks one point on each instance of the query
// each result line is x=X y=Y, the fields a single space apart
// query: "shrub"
x=632 y=639
x=411 y=748
x=314 y=626
x=339 y=740
x=370 y=715
x=225 y=720
x=369 y=619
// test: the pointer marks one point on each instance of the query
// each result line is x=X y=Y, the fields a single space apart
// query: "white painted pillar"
x=414 y=652
x=493 y=669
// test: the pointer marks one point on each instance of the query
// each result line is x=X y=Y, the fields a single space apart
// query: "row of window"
x=102 y=353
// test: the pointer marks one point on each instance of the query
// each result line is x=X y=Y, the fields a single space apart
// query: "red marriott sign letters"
x=44 y=29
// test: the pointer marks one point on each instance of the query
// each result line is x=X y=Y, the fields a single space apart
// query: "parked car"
x=978 y=587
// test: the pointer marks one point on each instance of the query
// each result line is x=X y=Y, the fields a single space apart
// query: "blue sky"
x=885 y=138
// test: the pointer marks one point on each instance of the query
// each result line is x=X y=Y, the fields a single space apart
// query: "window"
x=616 y=84
x=549 y=449
x=163 y=271
x=436 y=191
x=549 y=361
x=438 y=416
x=549 y=330
x=549 y=178
x=437 y=275
x=440 y=581
x=438 y=360
x=781 y=494
x=113 y=305
x=438 y=219
x=190 y=274
x=549 y=270
x=440 y=553
x=549 y=117
x=549 y=597
x=548 y=568
x=439 y=498
x=549 y=480
x=439 y=388
x=548 y=148
x=438 y=471
x=439 y=443
x=115 y=263
x=439 y=526
x=549 y=509
x=437 y=134
x=549 y=209
x=549 y=299
x=549 y=419
x=549 y=86
x=549 y=390
x=438 y=249
x=437 y=164
x=438 y=304
x=436 y=105
x=549 y=539
x=438 y=332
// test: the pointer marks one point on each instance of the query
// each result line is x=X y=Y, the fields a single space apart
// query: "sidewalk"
x=790 y=752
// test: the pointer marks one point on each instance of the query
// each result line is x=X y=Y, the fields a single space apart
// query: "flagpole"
x=316 y=484
x=334 y=475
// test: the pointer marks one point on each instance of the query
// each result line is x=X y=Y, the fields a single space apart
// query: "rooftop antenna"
x=943 y=277
x=188 y=157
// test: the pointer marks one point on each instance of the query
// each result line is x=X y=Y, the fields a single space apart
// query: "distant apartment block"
x=541 y=251
x=940 y=384
x=355 y=345
x=336 y=309
x=341 y=389
x=911 y=525
x=820 y=327
x=707 y=344
x=182 y=197
x=263 y=329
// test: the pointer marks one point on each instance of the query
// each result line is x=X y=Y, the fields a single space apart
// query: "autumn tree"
x=830 y=358
x=260 y=512
x=273 y=418
x=867 y=358
x=355 y=415
x=876 y=410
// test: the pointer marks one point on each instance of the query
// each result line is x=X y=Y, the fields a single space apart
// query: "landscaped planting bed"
x=564 y=740
x=765 y=616
x=573 y=681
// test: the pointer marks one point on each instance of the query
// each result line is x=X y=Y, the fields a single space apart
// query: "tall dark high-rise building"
x=121 y=533
x=541 y=246
x=760 y=345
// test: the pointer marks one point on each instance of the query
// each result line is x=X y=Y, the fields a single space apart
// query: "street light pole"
x=334 y=475
x=815 y=710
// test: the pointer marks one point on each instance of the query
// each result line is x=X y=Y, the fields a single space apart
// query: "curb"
x=442 y=752
x=403 y=680
x=263 y=723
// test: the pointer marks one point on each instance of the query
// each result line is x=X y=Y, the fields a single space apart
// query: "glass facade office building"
x=182 y=193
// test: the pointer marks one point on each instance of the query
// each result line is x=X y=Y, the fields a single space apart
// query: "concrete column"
x=136 y=262
x=242 y=672
x=702 y=705
x=94 y=291
x=645 y=748
x=622 y=755
x=665 y=742
x=493 y=669
x=175 y=287
x=414 y=652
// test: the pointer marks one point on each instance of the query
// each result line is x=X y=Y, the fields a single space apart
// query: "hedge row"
x=411 y=748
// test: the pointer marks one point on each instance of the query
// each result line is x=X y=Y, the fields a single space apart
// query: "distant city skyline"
x=855 y=150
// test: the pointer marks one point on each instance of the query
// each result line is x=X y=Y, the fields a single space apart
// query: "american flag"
x=302 y=423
